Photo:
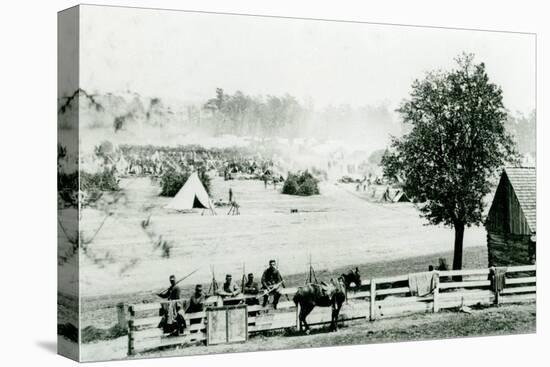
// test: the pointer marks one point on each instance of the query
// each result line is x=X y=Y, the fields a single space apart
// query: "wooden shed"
x=512 y=220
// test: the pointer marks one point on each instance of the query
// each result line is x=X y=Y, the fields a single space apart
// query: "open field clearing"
x=512 y=319
x=335 y=228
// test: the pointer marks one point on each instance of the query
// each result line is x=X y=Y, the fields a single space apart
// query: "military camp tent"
x=400 y=197
x=191 y=195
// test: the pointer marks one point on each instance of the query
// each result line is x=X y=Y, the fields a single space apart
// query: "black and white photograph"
x=241 y=183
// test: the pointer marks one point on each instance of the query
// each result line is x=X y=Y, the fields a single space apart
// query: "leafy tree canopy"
x=456 y=143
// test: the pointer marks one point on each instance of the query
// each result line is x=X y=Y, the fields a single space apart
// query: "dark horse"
x=331 y=294
x=350 y=277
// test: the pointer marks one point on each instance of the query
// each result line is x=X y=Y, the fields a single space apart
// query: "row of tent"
x=193 y=195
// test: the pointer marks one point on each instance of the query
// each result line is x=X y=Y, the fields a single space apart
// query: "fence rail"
x=378 y=299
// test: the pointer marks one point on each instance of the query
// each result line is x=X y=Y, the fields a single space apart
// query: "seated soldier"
x=271 y=282
x=251 y=288
x=229 y=289
x=196 y=303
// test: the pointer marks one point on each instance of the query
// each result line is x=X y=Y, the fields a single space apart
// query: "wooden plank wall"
x=506 y=214
x=509 y=250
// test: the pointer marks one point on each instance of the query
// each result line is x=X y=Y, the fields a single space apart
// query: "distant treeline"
x=286 y=116
x=242 y=114
x=523 y=128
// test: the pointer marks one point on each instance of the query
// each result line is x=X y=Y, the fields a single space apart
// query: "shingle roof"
x=524 y=182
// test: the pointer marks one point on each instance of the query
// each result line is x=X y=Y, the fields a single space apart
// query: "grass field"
x=512 y=319
x=335 y=229
x=338 y=229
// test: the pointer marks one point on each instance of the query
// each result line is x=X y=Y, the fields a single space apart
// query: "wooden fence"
x=377 y=299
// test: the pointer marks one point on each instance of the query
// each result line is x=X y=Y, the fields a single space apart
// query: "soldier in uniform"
x=251 y=288
x=271 y=282
x=196 y=301
x=173 y=292
x=229 y=289
x=172 y=319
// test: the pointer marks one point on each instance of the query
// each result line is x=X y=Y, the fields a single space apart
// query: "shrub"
x=291 y=186
x=93 y=185
x=309 y=187
x=303 y=184
x=101 y=181
x=171 y=182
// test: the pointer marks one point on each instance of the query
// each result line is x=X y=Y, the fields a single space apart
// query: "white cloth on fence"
x=421 y=284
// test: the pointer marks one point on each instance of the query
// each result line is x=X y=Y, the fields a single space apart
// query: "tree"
x=302 y=184
x=456 y=144
x=242 y=114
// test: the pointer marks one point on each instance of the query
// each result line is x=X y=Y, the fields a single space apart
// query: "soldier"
x=229 y=289
x=251 y=288
x=196 y=304
x=172 y=321
x=173 y=292
x=196 y=301
x=271 y=281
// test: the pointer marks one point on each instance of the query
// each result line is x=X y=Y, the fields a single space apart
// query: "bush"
x=93 y=185
x=309 y=187
x=303 y=184
x=172 y=181
x=101 y=181
x=291 y=186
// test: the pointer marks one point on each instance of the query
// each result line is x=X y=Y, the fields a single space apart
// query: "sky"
x=185 y=56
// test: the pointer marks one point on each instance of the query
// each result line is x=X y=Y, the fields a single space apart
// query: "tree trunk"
x=459 y=248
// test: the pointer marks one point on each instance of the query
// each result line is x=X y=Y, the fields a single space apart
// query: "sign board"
x=226 y=325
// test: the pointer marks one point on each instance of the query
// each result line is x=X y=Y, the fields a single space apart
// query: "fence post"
x=494 y=285
x=372 y=315
x=121 y=315
x=436 y=292
x=298 y=326
x=131 y=348
x=131 y=337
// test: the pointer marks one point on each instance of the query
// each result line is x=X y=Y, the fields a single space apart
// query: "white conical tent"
x=191 y=195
